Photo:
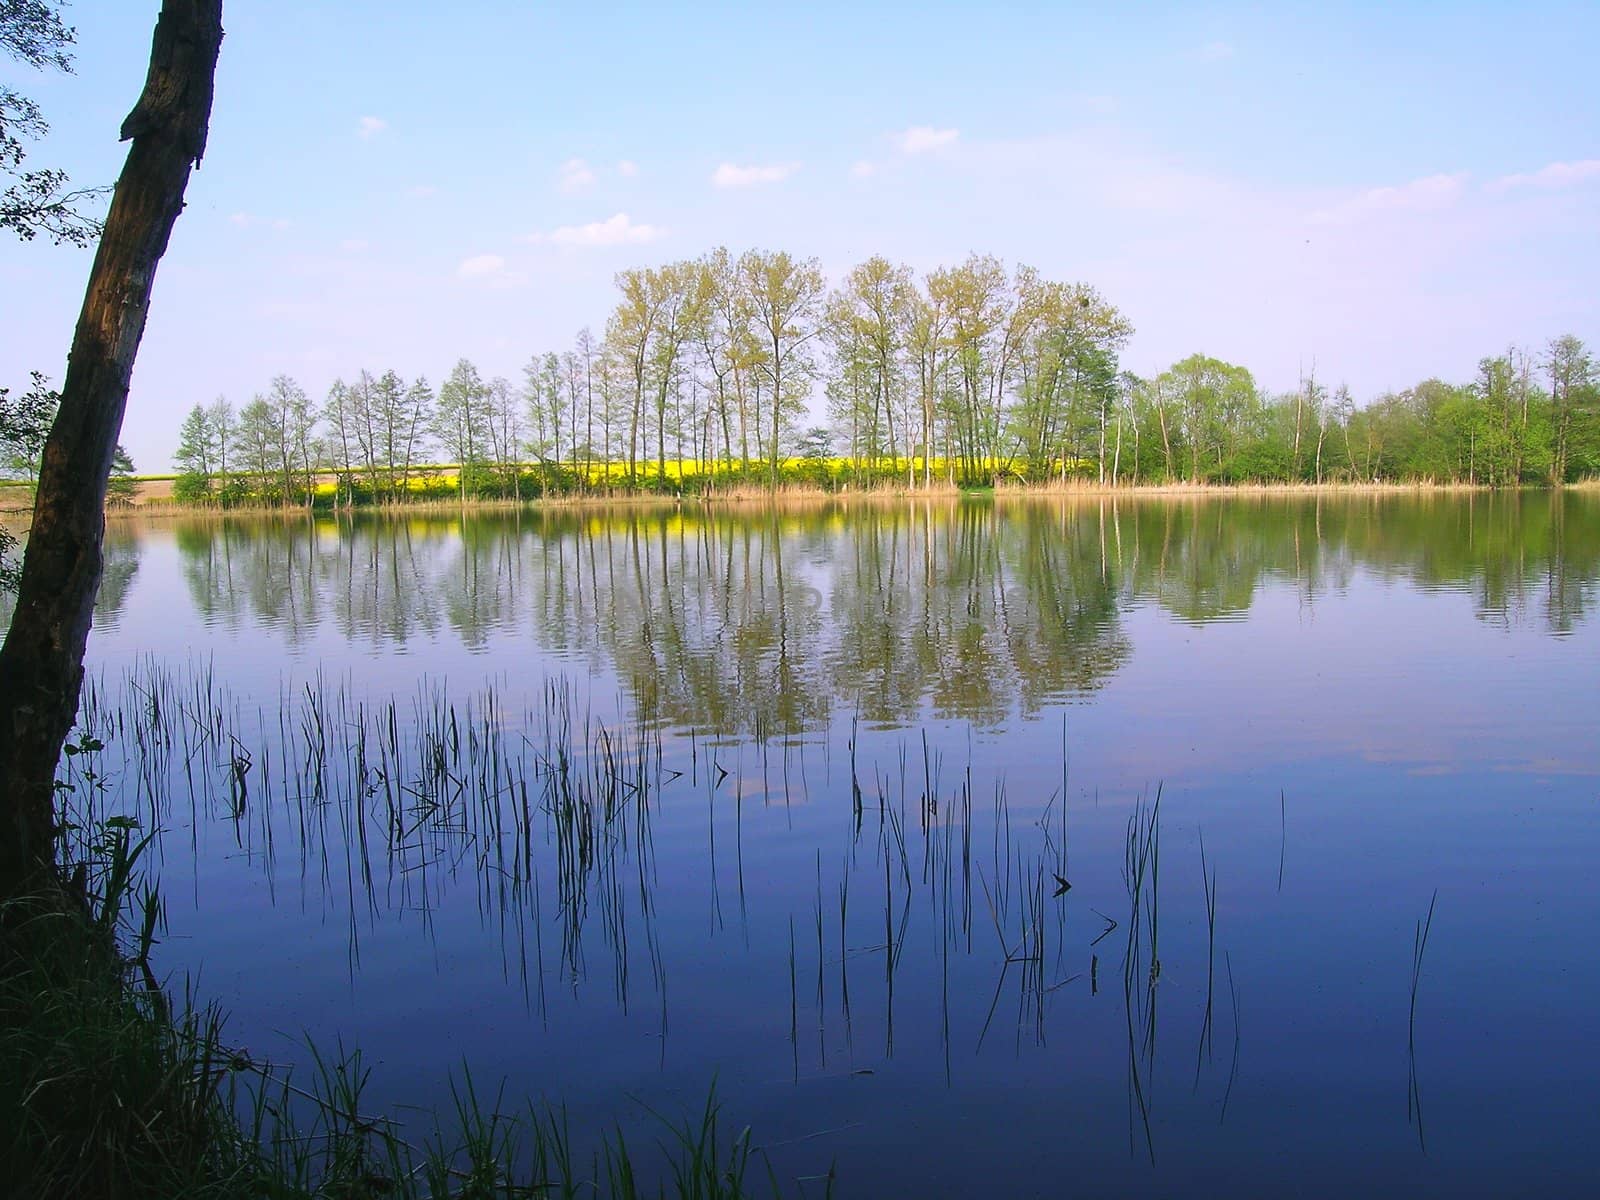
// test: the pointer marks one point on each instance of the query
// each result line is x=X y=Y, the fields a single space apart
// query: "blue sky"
x=1387 y=191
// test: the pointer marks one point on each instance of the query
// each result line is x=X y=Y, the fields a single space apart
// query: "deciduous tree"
x=41 y=662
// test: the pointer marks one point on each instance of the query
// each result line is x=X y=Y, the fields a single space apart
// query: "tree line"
x=972 y=375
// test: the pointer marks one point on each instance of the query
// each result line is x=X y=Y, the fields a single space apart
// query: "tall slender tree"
x=1571 y=371
x=459 y=417
x=41 y=662
x=785 y=296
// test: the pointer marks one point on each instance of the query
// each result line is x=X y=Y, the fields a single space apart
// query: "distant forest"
x=974 y=375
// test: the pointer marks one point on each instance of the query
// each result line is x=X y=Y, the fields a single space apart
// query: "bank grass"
x=1205 y=487
x=104 y=1091
x=757 y=490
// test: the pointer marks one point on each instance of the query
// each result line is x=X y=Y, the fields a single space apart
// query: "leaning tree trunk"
x=41 y=663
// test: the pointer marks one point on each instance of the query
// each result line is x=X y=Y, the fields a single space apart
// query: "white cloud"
x=920 y=139
x=730 y=175
x=579 y=174
x=490 y=269
x=1556 y=175
x=422 y=191
x=575 y=175
x=481 y=266
x=1214 y=51
x=616 y=230
x=1429 y=194
x=354 y=245
x=369 y=127
x=242 y=219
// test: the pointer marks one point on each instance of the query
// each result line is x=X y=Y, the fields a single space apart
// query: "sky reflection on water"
x=1387 y=696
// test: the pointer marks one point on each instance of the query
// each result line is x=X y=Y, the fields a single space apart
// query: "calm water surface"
x=848 y=755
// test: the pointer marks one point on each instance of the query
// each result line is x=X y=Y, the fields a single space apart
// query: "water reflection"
x=360 y=816
x=763 y=621
x=866 y=933
x=119 y=565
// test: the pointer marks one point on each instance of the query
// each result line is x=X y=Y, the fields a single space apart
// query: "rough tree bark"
x=41 y=663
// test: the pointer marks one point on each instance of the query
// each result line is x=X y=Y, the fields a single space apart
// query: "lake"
x=613 y=804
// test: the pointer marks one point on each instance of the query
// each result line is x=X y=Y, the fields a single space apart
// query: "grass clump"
x=102 y=1091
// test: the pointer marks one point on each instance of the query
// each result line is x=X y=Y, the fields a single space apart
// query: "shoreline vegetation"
x=734 y=373
x=152 y=496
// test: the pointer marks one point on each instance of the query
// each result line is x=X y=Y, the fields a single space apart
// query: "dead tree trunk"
x=41 y=663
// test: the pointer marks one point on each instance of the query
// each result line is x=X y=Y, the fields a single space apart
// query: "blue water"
x=1364 y=707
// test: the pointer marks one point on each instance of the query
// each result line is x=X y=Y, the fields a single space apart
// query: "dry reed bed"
x=803 y=496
